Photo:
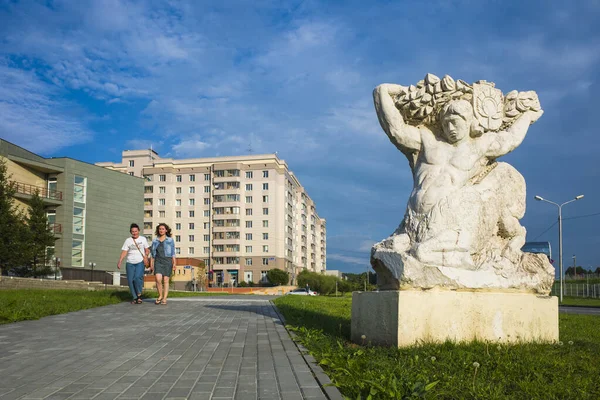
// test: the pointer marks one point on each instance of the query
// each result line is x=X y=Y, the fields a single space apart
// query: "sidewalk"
x=210 y=348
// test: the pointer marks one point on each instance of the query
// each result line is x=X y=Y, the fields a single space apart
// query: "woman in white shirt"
x=136 y=250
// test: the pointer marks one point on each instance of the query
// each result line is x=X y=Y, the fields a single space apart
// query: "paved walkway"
x=202 y=348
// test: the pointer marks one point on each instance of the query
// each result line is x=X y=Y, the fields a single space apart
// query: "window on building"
x=207 y=213
x=162 y=189
x=265 y=186
x=192 y=202
x=192 y=178
x=161 y=214
x=131 y=163
x=79 y=189
x=248 y=186
x=178 y=238
x=207 y=200
x=177 y=250
x=190 y=250
x=178 y=178
x=147 y=201
x=79 y=220
x=131 y=173
x=177 y=214
x=207 y=238
x=162 y=202
x=265 y=248
x=248 y=236
x=265 y=223
x=206 y=225
x=249 y=174
x=265 y=236
x=178 y=226
x=147 y=225
x=190 y=238
x=265 y=261
x=162 y=178
x=265 y=211
x=148 y=189
x=191 y=225
x=192 y=189
x=205 y=249
x=178 y=202
x=248 y=211
x=265 y=199
x=77 y=253
x=248 y=261
x=265 y=174
x=207 y=177
x=192 y=213
x=248 y=224
x=206 y=189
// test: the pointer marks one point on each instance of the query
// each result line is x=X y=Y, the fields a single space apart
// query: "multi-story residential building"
x=89 y=208
x=241 y=215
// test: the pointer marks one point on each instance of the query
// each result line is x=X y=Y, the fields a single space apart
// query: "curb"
x=330 y=391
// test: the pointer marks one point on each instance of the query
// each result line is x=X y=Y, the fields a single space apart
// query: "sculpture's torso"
x=441 y=169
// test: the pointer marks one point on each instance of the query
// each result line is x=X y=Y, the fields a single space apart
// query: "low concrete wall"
x=274 y=290
x=10 y=282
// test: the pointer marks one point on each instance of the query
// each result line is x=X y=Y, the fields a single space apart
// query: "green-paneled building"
x=89 y=208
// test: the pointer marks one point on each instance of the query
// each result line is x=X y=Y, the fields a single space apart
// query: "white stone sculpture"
x=461 y=228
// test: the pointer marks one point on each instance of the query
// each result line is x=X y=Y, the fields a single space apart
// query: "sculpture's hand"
x=391 y=89
x=534 y=115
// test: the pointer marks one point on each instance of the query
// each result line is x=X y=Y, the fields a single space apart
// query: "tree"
x=11 y=244
x=40 y=236
x=278 y=277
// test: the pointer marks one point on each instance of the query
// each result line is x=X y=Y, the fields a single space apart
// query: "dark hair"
x=166 y=227
x=134 y=225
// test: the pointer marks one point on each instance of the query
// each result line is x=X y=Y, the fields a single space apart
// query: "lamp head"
x=579 y=197
x=538 y=198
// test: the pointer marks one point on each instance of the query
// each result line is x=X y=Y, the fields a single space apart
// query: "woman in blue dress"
x=163 y=260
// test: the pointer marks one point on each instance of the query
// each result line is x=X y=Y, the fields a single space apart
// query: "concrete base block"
x=406 y=317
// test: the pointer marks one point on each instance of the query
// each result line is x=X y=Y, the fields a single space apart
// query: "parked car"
x=303 y=292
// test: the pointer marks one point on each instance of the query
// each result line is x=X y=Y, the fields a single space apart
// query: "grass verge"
x=27 y=304
x=568 y=370
x=580 y=301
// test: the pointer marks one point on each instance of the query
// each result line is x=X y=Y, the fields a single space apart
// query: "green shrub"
x=278 y=277
x=242 y=284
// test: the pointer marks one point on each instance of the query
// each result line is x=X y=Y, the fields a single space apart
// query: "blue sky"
x=88 y=79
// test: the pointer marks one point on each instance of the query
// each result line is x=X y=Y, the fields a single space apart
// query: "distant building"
x=242 y=215
x=334 y=272
x=89 y=208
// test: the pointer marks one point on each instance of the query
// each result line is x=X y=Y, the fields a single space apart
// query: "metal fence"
x=591 y=290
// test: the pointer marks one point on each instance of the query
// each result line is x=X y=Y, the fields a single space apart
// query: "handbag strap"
x=138 y=247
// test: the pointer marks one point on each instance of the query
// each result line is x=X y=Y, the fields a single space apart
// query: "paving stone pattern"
x=208 y=348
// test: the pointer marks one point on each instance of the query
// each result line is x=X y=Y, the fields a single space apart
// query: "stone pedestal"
x=409 y=317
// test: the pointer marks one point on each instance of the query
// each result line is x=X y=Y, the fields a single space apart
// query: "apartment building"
x=241 y=215
x=89 y=209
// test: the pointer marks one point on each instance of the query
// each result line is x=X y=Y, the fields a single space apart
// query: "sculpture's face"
x=455 y=127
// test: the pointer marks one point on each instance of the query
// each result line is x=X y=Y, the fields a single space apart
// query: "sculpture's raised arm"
x=405 y=137
x=501 y=143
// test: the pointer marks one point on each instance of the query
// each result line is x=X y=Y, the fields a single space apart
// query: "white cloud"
x=32 y=117
x=192 y=147
x=348 y=259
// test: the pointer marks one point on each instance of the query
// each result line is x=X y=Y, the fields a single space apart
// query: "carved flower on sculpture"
x=419 y=103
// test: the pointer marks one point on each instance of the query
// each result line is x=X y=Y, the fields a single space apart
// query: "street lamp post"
x=92 y=265
x=560 y=258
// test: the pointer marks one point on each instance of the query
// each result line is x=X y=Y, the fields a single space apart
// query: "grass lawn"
x=580 y=301
x=26 y=304
x=568 y=370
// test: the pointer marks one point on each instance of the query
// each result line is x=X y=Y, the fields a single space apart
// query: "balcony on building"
x=26 y=191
